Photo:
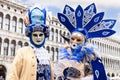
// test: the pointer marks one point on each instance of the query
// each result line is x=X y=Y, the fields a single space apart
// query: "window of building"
x=12 y=49
x=48 y=49
x=15 y=10
x=52 y=49
x=0 y=45
x=56 y=35
x=52 y=22
x=19 y=29
x=8 y=8
x=7 y=22
x=60 y=36
x=14 y=23
x=2 y=6
x=13 y=26
x=6 y=48
x=21 y=12
x=19 y=45
x=26 y=44
x=52 y=34
x=56 y=23
x=0 y=21
x=64 y=35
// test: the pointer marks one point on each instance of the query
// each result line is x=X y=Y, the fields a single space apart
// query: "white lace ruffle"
x=42 y=55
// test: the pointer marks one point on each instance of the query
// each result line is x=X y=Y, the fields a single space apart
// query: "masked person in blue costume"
x=79 y=60
x=33 y=62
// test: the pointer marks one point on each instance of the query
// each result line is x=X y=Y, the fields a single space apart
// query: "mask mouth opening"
x=38 y=40
x=74 y=45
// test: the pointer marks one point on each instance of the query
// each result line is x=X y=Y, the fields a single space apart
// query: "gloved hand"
x=71 y=72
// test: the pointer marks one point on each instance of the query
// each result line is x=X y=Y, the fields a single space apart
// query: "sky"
x=111 y=8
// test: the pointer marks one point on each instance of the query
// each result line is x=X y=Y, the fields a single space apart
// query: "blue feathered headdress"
x=87 y=21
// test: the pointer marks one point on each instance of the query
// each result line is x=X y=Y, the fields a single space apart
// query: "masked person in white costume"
x=33 y=62
x=79 y=60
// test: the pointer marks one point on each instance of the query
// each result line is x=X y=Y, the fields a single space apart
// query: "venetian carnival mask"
x=76 y=40
x=84 y=24
x=36 y=28
x=37 y=17
x=38 y=37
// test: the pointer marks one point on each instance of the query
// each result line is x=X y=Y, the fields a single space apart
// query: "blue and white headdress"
x=86 y=21
x=35 y=20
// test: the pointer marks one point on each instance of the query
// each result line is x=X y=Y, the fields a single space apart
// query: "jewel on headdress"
x=97 y=73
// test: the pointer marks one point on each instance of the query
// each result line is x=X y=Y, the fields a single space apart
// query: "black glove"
x=71 y=72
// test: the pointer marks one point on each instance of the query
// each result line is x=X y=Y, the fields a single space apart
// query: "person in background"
x=79 y=60
x=33 y=62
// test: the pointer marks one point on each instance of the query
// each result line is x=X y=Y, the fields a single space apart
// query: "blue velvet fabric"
x=43 y=71
x=77 y=55
x=98 y=70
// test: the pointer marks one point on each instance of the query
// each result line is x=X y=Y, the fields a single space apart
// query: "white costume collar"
x=42 y=55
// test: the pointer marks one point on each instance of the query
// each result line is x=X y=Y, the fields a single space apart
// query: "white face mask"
x=77 y=39
x=38 y=37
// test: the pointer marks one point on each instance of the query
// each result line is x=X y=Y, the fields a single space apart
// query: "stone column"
x=9 y=48
x=2 y=47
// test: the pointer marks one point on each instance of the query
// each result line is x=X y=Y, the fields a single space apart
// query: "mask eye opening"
x=40 y=35
x=35 y=35
x=72 y=38
x=78 y=40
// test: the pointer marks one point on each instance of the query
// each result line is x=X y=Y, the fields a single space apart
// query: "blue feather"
x=101 y=33
x=64 y=20
x=95 y=20
x=67 y=6
x=79 y=16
